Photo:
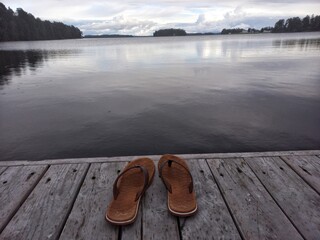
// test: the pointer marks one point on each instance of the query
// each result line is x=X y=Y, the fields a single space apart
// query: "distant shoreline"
x=188 y=35
x=134 y=36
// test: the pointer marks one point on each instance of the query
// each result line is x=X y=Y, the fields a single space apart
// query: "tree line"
x=232 y=31
x=250 y=30
x=23 y=26
x=108 y=36
x=169 y=32
x=294 y=24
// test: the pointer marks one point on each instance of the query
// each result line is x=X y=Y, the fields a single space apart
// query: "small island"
x=169 y=32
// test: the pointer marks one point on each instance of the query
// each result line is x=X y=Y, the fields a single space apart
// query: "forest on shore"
x=294 y=24
x=169 y=32
x=23 y=26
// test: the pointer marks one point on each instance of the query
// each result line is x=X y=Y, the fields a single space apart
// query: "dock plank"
x=239 y=196
x=16 y=183
x=2 y=169
x=158 y=223
x=133 y=231
x=255 y=212
x=87 y=218
x=213 y=218
x=44 y=212
x=156 y=157
x=308 y=167
x=297 y=199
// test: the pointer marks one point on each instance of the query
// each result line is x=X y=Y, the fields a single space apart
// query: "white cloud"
x=119 y=25
x=201 y=19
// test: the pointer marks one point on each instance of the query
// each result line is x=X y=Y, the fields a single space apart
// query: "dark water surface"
x=136 y=96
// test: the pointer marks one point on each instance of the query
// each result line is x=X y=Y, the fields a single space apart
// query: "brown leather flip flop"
x=128 y=189
x=177 y=179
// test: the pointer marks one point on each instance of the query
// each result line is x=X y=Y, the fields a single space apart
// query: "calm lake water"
x=136 y=96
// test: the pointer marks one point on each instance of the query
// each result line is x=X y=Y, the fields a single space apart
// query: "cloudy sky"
x=143 y=17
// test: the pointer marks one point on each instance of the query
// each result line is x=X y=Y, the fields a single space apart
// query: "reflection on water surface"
x=107 y=97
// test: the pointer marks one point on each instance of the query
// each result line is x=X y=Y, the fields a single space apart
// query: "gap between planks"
x=302 y=209
x=74 y=200
x=225 y=201
x=10 y=203
x=178 y=221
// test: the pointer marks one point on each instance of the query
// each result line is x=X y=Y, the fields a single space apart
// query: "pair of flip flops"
x=135 y=179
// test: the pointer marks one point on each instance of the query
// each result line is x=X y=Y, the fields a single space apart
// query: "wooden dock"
x=271 y=195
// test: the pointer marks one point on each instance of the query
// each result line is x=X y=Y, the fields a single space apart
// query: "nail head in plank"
x=16 y=183
x=87 y=217
x=255 y=212
x=308 y=167
x=213 y=218
x=43 y=213
x=296 y=198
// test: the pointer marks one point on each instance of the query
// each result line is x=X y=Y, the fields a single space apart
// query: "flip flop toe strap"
x=145 y=183
x=168 y=185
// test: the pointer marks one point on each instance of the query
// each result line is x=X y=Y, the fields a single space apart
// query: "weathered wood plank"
x=158 y=223
x=2 y=169
x=65 y=161
x=133 y=231
x=308 y=167
x=255 y=212
x=296 y=198
x=16 y=183
x=156 y=157
x=213 y=218
x=44 y=212
x=87 y=218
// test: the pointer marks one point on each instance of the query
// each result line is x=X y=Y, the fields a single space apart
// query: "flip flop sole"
x=124 y=209
x=121 y=223
x=182 y=214
x=180 y=202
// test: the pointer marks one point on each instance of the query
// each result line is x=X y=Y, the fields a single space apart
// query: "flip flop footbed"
x=124 y=209
x=180 y=202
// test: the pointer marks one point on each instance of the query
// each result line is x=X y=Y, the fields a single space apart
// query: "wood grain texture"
x=133 y=231
x=296 y=198
x=254 y=210
x=2 y=169
x=16 y=183
x=44 y=212
x=156 y=157
x=265 y=201
x=308 y=167
x=87 y=217
x=158 y=223
x=213 y=220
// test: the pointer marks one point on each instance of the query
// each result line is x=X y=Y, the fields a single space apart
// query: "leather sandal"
x=178 y=181
x=128 y=189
